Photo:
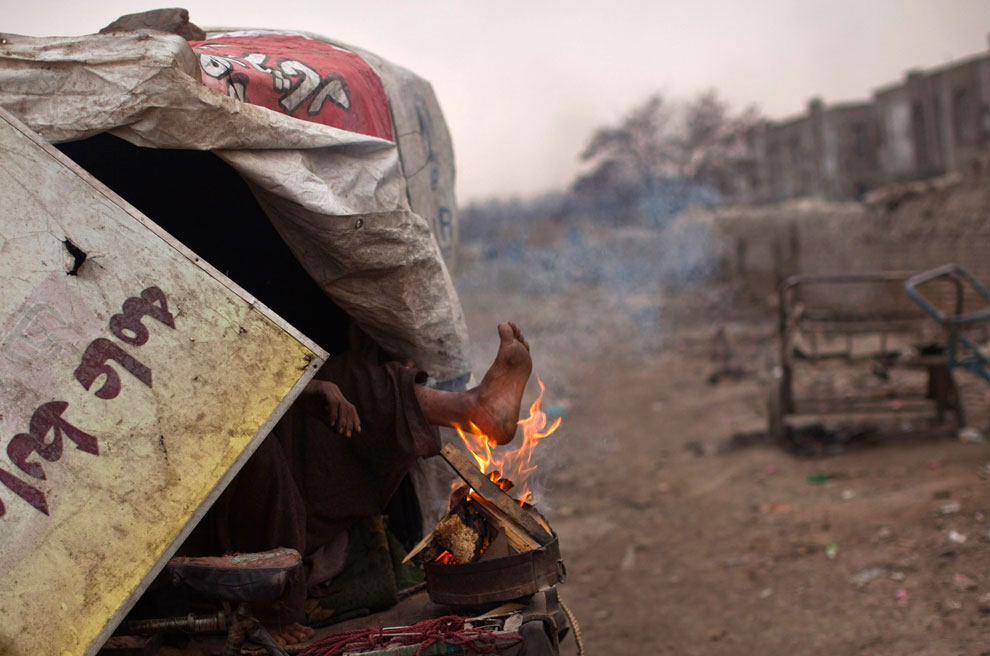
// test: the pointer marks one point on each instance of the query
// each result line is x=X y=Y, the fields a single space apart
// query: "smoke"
x=577 y=283
x=615 y=277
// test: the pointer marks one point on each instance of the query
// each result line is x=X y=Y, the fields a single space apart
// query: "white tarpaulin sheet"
x=351 y=207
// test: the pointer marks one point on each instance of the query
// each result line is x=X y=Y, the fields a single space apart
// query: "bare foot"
x=290 y=634
x=499 y=396
x=492 y=406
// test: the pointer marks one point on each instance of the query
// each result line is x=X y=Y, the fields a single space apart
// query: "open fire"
x=512 y=468
x=483 y=523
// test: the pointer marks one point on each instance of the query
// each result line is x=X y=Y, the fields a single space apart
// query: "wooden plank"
x=518 y=538
x=422 y=544
x=154 y=375
x=491 y=493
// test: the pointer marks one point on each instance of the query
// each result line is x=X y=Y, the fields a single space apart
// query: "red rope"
x=425 y=634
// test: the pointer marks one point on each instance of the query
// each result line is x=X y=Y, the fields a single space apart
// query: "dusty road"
x=675 y=545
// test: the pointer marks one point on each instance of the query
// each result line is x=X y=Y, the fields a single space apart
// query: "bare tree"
x=664 y=147
x=715 y=147
x=629 y=158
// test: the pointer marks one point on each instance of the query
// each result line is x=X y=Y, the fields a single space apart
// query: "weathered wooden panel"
x=134 y=381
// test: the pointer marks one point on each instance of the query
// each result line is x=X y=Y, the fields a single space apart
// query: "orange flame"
x=446 y=558
x=515 y=465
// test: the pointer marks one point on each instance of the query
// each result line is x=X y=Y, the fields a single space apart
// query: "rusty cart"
x=862 y=320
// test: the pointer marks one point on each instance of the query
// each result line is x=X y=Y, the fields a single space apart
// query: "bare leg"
x=493 y=406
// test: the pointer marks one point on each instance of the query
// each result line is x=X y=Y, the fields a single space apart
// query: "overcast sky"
x=523 y=83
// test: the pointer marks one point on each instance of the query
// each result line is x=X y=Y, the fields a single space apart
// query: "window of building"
x=964 y=126
x=859 y=137
x=920 y=136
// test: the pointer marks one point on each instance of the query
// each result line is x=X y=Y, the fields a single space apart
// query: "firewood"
x=491 y=494
x=503 y=484
x=420 y=546
x=462 y=535
x=518 y=539
x=457 y=499
x=461 y=531
x=432 y=552
x=538 y=517
x=457 y=526
x=497 y=548
x=515 y=539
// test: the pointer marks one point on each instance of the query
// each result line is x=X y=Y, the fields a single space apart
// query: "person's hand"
x=324 y=400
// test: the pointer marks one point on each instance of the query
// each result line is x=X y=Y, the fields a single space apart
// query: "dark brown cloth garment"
x=306 y=482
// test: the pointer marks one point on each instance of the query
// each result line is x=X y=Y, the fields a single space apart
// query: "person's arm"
x=325 y=401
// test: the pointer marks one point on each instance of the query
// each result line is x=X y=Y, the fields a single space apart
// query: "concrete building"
x=789 y=165
x=829 y=152
x=931 y=123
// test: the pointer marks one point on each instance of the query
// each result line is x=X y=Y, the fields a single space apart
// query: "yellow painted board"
x=134 y=383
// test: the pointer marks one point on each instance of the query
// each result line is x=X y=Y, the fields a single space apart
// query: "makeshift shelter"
x=349 y=207
x=369 y=217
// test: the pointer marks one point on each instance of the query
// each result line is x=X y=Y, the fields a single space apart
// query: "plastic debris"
x=831 y=551
x=949 y=508
x=957 y=538
x=863 y=577
x=819 y=478
x=972 y=435
x=902 y=596
x=765 y=593
x=848 y=495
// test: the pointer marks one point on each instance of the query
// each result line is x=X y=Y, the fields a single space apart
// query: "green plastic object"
x=818 y=478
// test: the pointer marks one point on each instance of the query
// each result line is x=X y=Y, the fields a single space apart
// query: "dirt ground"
x=675 y=544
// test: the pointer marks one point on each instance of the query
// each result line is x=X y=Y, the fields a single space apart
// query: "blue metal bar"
x=962 y=352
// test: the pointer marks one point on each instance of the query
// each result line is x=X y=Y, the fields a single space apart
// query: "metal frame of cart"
x=940 y=398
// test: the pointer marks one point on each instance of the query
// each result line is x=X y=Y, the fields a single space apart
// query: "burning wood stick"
x=462 y=534
x=491 y=495
x=518 y=539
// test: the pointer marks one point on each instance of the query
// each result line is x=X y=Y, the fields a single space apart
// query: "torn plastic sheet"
x=341 y=200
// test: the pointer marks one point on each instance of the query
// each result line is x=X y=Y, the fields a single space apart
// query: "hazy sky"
x=523 y=83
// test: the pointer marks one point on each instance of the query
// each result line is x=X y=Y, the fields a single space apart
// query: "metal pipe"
x=190 y=623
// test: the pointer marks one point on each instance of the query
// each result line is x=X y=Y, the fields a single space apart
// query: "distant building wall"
x=965 y=97
x=897 y=154
x=830 y=153
x=790 y=159
x=852 y=144
x=931 y=123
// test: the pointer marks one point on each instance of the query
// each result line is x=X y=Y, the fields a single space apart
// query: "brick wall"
x=911 y=227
